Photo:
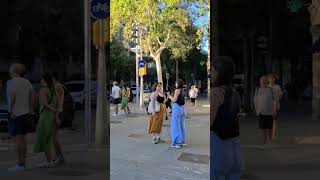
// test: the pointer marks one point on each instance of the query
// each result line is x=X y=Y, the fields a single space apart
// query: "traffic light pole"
x=141 y=77
x=87 y=62
x=101 y=118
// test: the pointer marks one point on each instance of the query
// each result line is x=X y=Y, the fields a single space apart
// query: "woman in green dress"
x=125 y=99
x=47 y=120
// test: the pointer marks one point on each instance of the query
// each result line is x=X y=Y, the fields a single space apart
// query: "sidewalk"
x=83 y=163
x=134 y=157
x=294 y=155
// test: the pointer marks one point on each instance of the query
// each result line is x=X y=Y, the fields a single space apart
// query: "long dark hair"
x=225 y=68
x=48 y=78
x=180 y=83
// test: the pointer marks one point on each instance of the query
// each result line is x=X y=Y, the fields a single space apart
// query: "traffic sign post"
x=100 y=9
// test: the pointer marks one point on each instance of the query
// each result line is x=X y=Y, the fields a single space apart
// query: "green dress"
x=125 y=99
x=45 y=127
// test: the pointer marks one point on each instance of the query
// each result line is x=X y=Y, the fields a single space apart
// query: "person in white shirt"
x=20 y=96
x=193 y=93
x=116 y=94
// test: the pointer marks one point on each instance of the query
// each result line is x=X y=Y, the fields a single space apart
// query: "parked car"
x=134 y=90
x=77 y=91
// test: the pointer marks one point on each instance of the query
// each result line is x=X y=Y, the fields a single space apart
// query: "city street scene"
x=53 y=89
x=159 y=108
x=269 y=52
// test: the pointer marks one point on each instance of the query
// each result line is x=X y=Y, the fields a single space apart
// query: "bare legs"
x=267 y=136
x=21 y=149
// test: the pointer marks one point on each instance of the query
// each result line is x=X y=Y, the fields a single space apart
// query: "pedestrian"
x=168 y=103
x=277 y=92
x=265 y=106
x=47 y=120
x=224 y=124
x=20 y=98
x=59 y=91
x=178 y=117
x=193 y=94
x=116 y=94
x=156 y=109
x=125 y=99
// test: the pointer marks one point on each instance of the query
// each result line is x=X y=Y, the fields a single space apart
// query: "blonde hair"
x=17 y=69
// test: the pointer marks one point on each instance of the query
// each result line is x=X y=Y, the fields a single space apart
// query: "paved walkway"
x=294 y=155
x=83 y=162
x=134 y=157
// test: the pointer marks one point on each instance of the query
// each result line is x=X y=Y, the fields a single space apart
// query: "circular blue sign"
x=142 y=63
x=100 y=9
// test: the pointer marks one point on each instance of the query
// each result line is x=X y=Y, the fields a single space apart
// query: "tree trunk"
x=159 y=68
x=177 y=70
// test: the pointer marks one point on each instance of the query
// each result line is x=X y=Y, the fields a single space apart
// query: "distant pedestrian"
x=178 y=117
x=47 y=120
x=277 y=92
x=224 y=123
x=265 y=106
x=156 y=108
x=168 y=103
x=59 y=91
x=125 y=99
x=193 y=94
x=116 y=94
x=20 y=98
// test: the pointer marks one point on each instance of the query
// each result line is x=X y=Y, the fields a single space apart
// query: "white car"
x=77 y=91
x=134 y=90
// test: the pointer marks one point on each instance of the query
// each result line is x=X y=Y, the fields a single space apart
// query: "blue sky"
x=199 y=22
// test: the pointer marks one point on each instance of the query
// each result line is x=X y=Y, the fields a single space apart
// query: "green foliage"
x=167 y=24
x=122 y=63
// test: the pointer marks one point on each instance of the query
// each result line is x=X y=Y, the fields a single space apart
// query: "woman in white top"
x=277 y=92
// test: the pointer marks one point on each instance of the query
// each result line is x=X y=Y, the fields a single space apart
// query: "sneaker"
x=59 y=161
x=115 y=114
x=184 y=144
x=154 y=141
x=175 y=146
x=17 y=168
x=45 y=165
x=160 y=140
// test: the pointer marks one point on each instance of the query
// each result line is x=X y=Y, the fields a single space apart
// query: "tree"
x=167 y=25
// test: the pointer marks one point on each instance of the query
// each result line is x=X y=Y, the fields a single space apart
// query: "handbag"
x=153 y=107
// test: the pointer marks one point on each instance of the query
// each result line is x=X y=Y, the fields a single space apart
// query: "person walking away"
x=47 y=120
x=116 y=93
x=168 y=103
x=277 y=92
x=59 y=91
x=224 y=123
x=156 y=109
x=125 y=99
x=265 y=106
x=193 y=96
x=178 y=117
x=20 y=98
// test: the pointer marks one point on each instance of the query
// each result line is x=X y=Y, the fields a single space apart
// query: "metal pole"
x=141 y=78
x=87 y=62
x=137 y=65
x=101 y=126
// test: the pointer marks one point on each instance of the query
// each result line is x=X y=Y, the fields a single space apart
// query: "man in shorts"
x=21 y=99
x=116 y=93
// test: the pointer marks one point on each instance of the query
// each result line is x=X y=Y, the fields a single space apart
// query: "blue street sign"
x=100 y=9
x=142 y=63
